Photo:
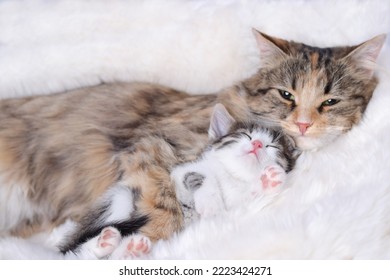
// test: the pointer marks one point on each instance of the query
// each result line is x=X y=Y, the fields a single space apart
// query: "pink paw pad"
x=108 y=240
x=109 y=237
x=272 y=177
x=137 y=246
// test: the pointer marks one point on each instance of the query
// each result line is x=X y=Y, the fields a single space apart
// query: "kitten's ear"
x=271 y=48
x=366 y=54
x=221 y=122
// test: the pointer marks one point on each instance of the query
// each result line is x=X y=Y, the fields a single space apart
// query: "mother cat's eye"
x=286 y=95
x=329 y=102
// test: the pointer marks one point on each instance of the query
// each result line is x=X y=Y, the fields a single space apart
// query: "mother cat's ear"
x=220 y=123
x=364 y=55
x=272 y=49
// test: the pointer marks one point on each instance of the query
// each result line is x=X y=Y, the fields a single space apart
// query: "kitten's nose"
x=303 y=127
x=256 y=144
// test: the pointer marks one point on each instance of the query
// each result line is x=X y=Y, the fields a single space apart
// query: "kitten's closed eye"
x=247 y=135
x=272 y=146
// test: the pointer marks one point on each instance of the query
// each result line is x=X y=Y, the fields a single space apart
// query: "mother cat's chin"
x=306 y=143
x=314 y=139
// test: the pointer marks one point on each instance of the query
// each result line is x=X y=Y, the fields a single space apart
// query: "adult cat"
x=60 y=153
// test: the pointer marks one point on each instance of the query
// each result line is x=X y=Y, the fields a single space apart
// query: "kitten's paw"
x=272 y=177
x=133 y=246
x=107 y=242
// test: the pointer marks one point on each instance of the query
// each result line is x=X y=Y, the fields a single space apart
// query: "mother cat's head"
x=317 y=94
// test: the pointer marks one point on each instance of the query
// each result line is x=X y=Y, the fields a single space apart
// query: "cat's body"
x=60 y=154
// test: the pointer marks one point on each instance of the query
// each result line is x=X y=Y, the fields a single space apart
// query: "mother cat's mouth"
x=306 y=142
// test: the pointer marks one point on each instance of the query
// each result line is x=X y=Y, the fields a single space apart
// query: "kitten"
x=243 y=162
x=60 y=154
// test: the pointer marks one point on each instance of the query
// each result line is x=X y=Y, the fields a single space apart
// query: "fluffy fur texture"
x=307 y=218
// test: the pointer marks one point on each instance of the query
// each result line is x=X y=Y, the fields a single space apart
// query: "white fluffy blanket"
x=338 y=204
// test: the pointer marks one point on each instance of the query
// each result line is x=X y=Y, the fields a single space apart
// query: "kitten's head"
x=248 y=145
x=315 y=94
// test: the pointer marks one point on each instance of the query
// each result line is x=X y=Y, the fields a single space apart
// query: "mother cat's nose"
x=303 y=127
